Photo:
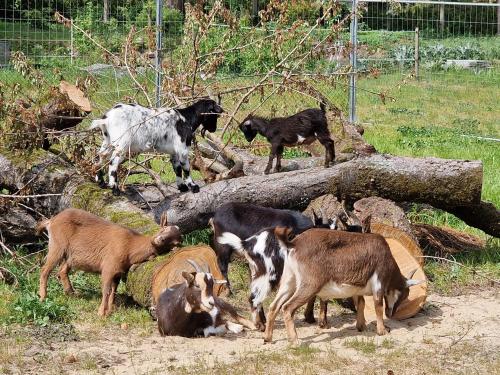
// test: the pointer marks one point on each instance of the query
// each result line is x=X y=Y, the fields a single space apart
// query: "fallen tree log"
x=445 y=184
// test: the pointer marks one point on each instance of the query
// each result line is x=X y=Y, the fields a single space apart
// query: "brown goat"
x=336 y=264
x=83 y=241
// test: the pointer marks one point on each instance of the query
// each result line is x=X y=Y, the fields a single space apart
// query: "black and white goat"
x=190 y=309
x=244 y=220
x=301 y=128
x=130 y=129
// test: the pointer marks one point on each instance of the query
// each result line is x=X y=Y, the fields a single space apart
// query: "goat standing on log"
x=130 y=129
x=301 y=128
x=190 y=309
x=335 y=264
x=83 y=241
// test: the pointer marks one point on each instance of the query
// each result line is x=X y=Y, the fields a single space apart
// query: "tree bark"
x=445 y=184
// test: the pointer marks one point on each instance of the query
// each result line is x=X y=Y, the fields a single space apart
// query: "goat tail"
x=322 y=106
x=41 y=226
x=228 y=238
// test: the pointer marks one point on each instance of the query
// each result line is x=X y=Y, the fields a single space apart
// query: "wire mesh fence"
x=92 y=41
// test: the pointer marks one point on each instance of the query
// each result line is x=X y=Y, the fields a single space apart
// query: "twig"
x=127 y=44
x=8 y=196
x=6 y=249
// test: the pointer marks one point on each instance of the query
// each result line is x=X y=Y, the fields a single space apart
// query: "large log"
x=445 y=184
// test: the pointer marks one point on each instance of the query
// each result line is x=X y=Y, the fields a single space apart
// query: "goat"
x=190 y=309
x=81 y=240
x=265 y=258
x=344 y=221
x=130 y=129
x=244 y=220
x=301 y=128
x=336 y=264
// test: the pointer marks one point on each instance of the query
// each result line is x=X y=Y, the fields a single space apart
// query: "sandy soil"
x=444 y=323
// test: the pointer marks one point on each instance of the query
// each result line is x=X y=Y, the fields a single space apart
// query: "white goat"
x=130 y=129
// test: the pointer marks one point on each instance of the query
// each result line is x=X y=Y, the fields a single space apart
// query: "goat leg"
x=309 y=311
x=379 y=311
x=279 y=154
x=359 y=301
x=323 y=309
x=64 y=279
x=274 y=151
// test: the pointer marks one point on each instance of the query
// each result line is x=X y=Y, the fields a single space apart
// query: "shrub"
x=27 y=308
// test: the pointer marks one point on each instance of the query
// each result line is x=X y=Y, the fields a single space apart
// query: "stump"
x=148 y=280
x=406 y=253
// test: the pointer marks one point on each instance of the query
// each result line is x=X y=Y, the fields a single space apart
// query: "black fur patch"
x=117 y=106
x=104 y=117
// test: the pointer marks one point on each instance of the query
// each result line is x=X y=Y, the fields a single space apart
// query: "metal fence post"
x=159 y=27
x=353 y=60
x=72 y=42
x=417 y=53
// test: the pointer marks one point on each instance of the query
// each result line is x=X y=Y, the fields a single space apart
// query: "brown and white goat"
x=335 y=264
x=299 y=129
x=83 y=241
x=190 y=309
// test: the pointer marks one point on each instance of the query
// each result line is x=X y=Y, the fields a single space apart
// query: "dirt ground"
x=451 y=335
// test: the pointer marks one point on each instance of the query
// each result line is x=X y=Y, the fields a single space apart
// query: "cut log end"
x=405 y=251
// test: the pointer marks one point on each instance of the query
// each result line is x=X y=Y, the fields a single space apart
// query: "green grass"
x=26 y=32
x=363 y=345
x=429 y=117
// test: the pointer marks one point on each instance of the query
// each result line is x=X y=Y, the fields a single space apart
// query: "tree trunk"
x=451 y=185
x=176 y=4
x=445 y=184
x=105 y=14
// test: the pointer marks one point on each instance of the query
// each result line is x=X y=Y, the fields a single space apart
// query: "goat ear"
x=189 y=277
x=164 y=219
x=219 y=98
x=412 y=282
x=366 y=224
x=315 y=218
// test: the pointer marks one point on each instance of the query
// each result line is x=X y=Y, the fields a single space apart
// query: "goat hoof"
x=195 y=188
x=183 y=188
x=324 y=325
x=382 y=332
x=116 y=191
x=266 y=172
x=260 y=326
x=309 y=319
x=361 y=327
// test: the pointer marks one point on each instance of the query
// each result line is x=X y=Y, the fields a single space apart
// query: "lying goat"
x=190 y=309
x=130 y=129
x=302 y=128
x=244 y=220
x=335 y=264
x=83 y=241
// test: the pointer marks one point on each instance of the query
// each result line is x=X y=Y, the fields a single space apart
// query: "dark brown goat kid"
x=299 y=129
x=83 y=241
x=190 y=309
x=335 y=264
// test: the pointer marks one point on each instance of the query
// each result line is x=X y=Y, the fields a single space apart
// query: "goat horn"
x=195 y=265
x=410 y=275
x=324 y=219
